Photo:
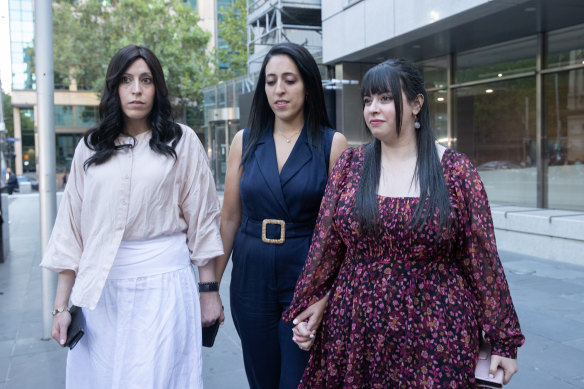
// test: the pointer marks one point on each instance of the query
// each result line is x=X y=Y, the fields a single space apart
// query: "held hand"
x=508 y=365
x=61 y=322
x=302 y=336
x=211 y=308
x=307 y=323
x=313 y=313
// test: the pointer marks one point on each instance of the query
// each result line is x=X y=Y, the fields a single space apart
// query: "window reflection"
x=564 y=103
x=495 y=127
x=565 y=47
x=496 y=61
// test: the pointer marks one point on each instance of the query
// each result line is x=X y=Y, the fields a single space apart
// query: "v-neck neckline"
x=301 y=138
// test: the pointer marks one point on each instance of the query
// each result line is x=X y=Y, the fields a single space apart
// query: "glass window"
x=231 y=93
x=28 y=145
x=209 y=98
x=221 y=95
x=435 y=72
x=564 y=104
x=496 y=61
x=438 y=104
x=495 y=127
x=86 y=116
x=565 y=47
x=64 y=115
x=192 y=3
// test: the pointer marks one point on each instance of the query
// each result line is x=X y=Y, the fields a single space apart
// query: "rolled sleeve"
x=65 y=245
x=200 y=207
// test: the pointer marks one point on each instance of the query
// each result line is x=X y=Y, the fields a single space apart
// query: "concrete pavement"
x=549 y=297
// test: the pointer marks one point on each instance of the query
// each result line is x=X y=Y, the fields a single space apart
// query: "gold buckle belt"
x=282 y=225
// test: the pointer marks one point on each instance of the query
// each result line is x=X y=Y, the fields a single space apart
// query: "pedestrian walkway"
x=27 y=362
x=549 y=297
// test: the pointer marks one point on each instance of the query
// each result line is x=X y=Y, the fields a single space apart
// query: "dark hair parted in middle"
x=261 y=115
x=395 y=76
x=101 y=137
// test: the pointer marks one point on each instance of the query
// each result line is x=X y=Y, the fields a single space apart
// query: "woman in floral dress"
x=403 y=257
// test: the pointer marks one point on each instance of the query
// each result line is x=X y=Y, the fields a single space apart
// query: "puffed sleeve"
x=481 y=265
x=199 y=203
x=63 y=252
x=327 y=250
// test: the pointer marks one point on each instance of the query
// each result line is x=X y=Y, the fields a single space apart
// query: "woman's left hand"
x=211 y=308
x=307 y=322
x=508 y=365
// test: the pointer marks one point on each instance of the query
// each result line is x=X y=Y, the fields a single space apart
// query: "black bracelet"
x=208 y=287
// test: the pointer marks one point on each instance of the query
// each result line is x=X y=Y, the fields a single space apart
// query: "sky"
x=5 y=69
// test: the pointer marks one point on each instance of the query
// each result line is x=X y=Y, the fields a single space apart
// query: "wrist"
x=60 y=309
x=205 y=287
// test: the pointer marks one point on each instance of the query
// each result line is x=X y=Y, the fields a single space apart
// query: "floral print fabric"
x=406 y=309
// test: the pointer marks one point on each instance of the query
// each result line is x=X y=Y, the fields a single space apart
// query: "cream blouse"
x=137 y=194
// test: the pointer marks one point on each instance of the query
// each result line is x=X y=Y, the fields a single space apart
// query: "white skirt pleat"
x=146 y=329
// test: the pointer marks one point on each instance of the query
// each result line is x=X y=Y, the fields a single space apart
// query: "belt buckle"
x=282 y=225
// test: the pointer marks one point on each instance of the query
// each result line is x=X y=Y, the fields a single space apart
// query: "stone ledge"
x=545 y=233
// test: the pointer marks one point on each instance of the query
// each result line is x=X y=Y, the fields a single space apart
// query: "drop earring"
x=417 y=124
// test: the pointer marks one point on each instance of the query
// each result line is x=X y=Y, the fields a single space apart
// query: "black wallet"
x=209 y=334
x=76 y=328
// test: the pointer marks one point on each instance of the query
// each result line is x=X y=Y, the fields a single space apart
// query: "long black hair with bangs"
x=395 y=76
x=165 y=132
x=315 y=116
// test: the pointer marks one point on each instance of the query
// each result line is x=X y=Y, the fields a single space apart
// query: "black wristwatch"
x=208 y=287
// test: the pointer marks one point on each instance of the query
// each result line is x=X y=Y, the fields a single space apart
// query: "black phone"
x=209 y=334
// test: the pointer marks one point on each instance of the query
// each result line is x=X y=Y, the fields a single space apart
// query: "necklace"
x=288 y=140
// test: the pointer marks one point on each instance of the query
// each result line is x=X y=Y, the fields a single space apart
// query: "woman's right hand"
x=61 y=322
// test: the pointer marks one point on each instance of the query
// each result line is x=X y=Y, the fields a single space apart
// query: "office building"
x=75 y=110
x=505 y=82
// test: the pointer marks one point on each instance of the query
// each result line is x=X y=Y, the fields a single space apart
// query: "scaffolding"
x=274 y=21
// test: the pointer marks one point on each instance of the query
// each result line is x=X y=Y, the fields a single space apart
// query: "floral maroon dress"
x=405 y=308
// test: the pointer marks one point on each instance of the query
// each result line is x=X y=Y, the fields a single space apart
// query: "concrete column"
x=18 y=143
x=45 y=89
x=349 y=113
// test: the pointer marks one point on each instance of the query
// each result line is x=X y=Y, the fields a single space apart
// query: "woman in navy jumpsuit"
x=276 y=176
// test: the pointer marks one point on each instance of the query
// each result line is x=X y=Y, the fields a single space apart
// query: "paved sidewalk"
x=549 y=298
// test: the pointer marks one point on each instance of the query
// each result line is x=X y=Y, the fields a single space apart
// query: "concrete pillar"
x=18 y=143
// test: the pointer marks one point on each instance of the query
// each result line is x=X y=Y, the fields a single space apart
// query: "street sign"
x=9 y=139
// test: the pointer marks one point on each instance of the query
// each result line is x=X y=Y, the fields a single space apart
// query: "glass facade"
x=564 y=105
x=220 y=101
x=75 y=116
x=21 y=43
x=28 y=140
x=494 y=125
x=497 y=61
x=435 y=73
x=494 y=94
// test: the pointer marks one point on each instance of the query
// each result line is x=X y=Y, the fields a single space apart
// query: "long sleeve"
x=481 y=266
x=65 y=245
x=327 y=250
x=200 y=206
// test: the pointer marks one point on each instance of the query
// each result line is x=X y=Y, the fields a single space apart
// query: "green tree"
x=7 y=114
x=86 y=34
x=232 y=59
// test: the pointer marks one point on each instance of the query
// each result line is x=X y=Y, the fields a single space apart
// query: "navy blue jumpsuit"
x=264 y=274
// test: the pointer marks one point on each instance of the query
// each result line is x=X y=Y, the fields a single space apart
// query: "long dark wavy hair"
x=393 y=76
x=165 y=132
x=261 y=115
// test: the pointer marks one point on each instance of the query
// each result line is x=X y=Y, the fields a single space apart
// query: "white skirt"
x=146 y=329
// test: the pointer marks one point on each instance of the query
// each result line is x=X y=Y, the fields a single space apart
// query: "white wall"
x=369 y=22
